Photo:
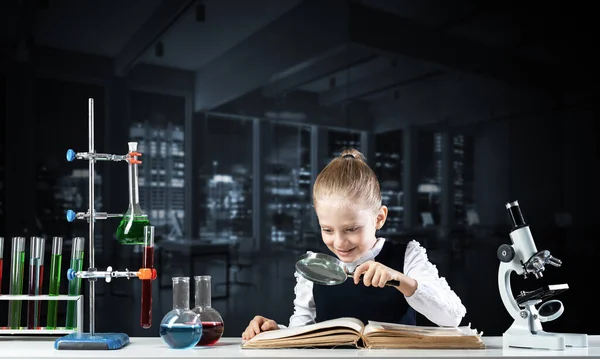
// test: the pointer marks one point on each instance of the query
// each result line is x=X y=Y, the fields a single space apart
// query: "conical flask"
x=131 y=228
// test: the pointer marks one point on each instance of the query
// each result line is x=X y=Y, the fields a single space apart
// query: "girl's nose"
x=340 y=239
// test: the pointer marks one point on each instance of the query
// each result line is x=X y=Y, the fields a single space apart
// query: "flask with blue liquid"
x=181 y=328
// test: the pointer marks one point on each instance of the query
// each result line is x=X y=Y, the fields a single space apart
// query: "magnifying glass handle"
x=390 y=283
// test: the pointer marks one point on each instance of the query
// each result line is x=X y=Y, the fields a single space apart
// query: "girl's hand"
x=375 y=274
x=257 y=325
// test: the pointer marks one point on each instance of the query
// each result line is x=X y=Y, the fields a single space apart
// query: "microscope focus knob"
x=506 y=253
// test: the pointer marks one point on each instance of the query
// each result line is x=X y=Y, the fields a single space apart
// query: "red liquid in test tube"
x=147 y=262
x=1 y=263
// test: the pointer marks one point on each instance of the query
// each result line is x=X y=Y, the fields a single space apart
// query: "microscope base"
x=543 y=340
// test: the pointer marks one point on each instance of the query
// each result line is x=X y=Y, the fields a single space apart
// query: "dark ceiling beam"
x=455 y=99
x=161 y=20
x=338 y=59
x=74 y=66
x=305 y=32
x=55 y=63
x=161 y=78
x=404 y=73
x=301 y=108
x=390 y=33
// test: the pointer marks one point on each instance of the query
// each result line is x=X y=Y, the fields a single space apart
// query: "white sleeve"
x=305 y=310
x=433 y=298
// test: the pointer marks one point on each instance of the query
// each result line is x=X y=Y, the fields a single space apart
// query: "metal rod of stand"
x=91 y=219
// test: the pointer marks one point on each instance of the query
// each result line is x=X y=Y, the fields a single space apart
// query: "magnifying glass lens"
x=321 y=271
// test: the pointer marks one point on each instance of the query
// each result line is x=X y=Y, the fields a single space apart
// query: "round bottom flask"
x=181 y=328
x=212 y=322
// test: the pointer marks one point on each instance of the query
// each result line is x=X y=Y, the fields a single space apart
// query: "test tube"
x=53 y=290
x=75 y=284
x=147 y=262
x=16 y=281
x=1 y=260
x=36 y=276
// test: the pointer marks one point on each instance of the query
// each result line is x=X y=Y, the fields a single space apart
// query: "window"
x=287 y=184
x=389 y=170
x=157 y=124
x=222 y=188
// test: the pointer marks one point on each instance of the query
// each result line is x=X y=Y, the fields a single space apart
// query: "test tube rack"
x=93 y=340
x=78 y=329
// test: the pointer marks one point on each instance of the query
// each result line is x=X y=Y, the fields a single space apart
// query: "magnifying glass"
x=326 y=270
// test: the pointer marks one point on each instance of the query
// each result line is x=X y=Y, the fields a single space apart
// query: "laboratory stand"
x=523 y=258
x=133 y=229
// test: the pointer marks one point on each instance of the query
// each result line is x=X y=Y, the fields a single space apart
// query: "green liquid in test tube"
x=1 y=260
x=75 y=284
x=37 y=247
x=53 y=290
x=17 y=268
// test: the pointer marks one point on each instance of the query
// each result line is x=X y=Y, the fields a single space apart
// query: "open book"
x=352 y=332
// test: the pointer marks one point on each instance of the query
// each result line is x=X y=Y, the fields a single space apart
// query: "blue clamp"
x=71 y=155
x=71 y=216
x=71 y=274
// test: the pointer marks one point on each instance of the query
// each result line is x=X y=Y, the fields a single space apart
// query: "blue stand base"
x=99 y=341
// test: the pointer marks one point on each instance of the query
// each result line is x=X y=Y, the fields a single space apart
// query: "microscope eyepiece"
x=515 y=214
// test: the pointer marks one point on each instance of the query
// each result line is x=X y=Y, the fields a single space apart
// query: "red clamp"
x=147 y=273
x=131 y=158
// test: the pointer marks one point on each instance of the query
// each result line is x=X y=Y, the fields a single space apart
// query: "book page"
x=350 y=323
x=414 y=330
x=326 y=338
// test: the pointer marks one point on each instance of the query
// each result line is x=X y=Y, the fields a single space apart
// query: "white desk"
x=230 y=348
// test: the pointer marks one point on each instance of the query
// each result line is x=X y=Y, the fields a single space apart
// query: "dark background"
x=459 y=106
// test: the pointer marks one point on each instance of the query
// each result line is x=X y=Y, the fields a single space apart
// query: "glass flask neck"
x=134 y=194
x=203 y=293
x=181 y=293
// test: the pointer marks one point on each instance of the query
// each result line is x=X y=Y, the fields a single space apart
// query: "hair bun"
x=352 y=153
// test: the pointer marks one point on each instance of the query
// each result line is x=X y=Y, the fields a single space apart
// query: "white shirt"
x=433 y=298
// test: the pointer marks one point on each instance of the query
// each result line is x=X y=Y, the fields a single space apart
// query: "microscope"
x=523 y=258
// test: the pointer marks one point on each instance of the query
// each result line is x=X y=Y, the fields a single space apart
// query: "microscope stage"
x=542 y=293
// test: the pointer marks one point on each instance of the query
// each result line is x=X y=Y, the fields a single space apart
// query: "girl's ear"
x=381 y=217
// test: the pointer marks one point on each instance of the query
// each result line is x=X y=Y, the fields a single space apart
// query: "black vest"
x=367 y=303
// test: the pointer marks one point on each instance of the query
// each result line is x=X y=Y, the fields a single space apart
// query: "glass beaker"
x=212 y=322
x=181 y=328
x=131 y=228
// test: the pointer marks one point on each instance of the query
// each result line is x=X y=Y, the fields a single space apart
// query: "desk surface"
x=230 y=348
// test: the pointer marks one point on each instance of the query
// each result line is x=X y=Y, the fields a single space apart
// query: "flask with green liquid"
x=131 y=228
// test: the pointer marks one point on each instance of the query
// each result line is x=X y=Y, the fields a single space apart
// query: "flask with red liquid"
x=212 y=322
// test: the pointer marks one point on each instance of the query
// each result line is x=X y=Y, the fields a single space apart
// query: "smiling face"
x=347 y=228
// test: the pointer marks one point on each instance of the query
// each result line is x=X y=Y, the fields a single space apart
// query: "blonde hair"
x=350 y=177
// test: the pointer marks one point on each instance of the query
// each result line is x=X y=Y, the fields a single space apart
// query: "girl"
x=347 y=200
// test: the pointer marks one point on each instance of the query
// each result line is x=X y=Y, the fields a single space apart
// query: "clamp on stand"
x=523 y=258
